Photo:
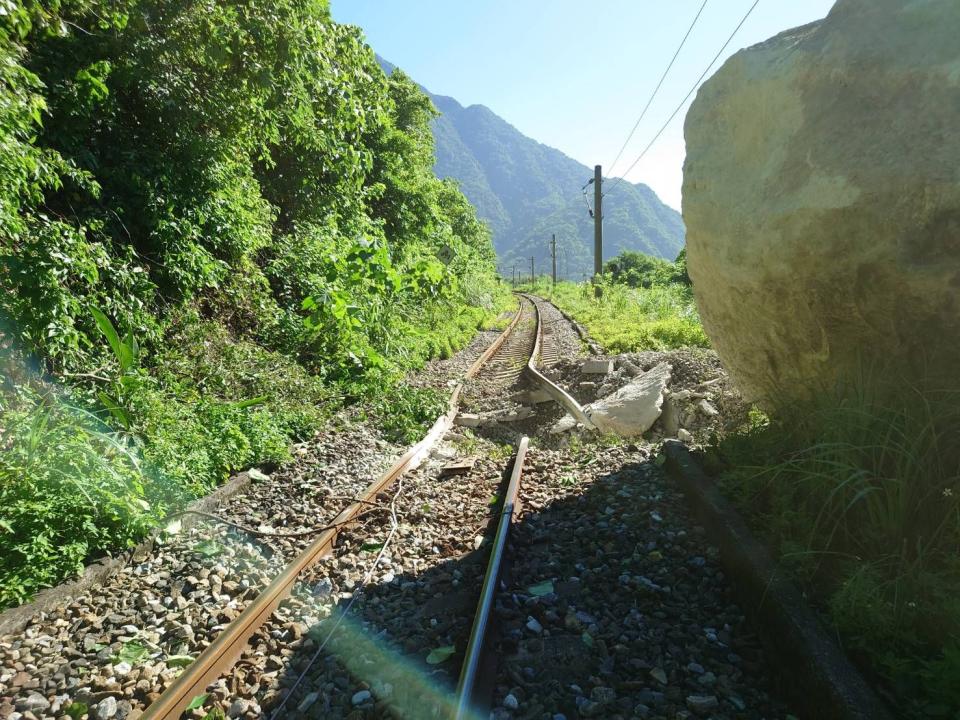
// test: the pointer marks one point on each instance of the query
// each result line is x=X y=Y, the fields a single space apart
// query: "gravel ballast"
x=126 y=642
x=616 y=604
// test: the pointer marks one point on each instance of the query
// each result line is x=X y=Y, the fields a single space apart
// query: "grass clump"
x=858 y=491
x=628 y=319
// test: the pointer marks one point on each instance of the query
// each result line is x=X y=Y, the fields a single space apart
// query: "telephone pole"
x=514 y=281
x=597 y=224
x=553 y=256
x=533 y=276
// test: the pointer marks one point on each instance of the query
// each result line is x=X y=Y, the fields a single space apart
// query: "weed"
x=860 y=494
x=501 y=451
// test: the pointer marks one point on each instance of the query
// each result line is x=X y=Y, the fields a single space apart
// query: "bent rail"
x=224 y=652
x=551 y=388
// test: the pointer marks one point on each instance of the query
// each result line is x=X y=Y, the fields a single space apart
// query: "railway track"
x=211 y=587
x=411 y=612
x=506 y=359
x=511 y=358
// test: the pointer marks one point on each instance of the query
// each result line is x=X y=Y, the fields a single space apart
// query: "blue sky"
x=570 y=74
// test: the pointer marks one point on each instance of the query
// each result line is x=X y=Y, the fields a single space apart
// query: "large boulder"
x=821 y=196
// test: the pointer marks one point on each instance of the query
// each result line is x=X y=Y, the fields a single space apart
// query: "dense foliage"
x=639 y=270
x=214 y=216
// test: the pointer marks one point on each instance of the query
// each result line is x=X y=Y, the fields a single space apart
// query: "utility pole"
x=553 y=256
x=514 y=281
x=597 y=224
x=533 y=275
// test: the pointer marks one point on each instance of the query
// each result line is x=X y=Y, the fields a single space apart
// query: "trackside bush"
x=218 y=221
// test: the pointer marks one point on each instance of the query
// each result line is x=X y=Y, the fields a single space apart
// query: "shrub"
x=70 y=489
x=217 y=219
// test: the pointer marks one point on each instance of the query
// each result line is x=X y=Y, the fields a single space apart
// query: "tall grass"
x=625 y=319
x=859 y=490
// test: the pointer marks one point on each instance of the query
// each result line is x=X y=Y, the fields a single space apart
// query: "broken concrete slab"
x=630 y=369
x=514 y=415
x=707 y=409
x=458 y=467
x=594 y=366
x=469 y=420
x=567 y=422
x=670 y=417
x=531 y=397
x=634 y=408
x=537 y=397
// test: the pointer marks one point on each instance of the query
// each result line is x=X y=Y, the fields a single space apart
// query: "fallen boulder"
x=821 y=197
x=635 y=407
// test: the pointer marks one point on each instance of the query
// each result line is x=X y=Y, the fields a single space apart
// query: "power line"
x=656 y=89
x=687 y=97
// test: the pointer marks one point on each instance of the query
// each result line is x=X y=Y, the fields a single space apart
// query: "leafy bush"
x=638 y=270
x=69 y=488
x=219 y=220
x=408 y=412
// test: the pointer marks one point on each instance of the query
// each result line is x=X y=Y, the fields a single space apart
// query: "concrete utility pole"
x=533 y=276
x=514 y=281
x=553 y=256
x=597 y=223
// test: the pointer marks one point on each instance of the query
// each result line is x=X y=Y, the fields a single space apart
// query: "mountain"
x=527 y=191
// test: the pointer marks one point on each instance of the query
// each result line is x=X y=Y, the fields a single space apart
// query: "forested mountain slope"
x=217 y=221
x=526 y=190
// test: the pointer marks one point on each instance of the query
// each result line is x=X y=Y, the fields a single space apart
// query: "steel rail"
x=551 y=388
x=487 y=354
x=224 y=652
x=477 y=643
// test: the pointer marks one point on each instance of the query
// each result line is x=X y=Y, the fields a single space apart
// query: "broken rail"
x=551 y=388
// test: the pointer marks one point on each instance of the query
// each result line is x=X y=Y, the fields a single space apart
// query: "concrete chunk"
x=563 y=425
x=469 y=420
x=521 y=413
x=596 y=367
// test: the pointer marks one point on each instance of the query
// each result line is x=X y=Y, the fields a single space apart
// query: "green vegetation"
x=645 y=303
x=218 y=221
x=858 y=491
x=638 y=270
